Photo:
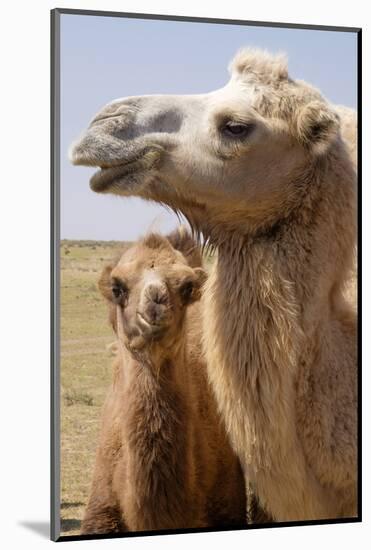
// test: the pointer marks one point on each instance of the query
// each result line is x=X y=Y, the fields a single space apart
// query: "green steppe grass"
x=85 y=369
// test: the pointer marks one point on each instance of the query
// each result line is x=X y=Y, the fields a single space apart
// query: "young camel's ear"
x=317 y=126
x=105 y=287
x=104 y=283
x=191 y=290
x=182 y=240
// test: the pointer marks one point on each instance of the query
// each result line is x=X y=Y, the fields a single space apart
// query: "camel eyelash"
x=119 y=290
x=237 y=130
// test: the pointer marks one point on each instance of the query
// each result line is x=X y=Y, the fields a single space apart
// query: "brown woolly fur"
x=264 y=170
x=163 y=459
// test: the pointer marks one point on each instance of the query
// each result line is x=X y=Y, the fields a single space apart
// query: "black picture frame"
x=55 y=264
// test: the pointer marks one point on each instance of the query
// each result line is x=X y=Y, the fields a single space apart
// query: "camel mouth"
x=148 y=329
x=103 y=180
x=116 y=175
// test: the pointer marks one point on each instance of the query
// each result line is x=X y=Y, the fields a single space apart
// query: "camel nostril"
x=157 y=294
x=118 y=108
x=159 y=298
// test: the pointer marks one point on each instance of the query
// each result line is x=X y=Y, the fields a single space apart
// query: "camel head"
x=150 y=288
x=238 y=156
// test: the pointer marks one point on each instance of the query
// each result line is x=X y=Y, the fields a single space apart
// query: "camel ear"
x=104 y=283
x=105 y=287
x=317 y=126
x=201 y=276
x=182 y=240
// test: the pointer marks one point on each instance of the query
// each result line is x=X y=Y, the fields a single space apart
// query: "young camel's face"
x=150 y=288
x=233 y=154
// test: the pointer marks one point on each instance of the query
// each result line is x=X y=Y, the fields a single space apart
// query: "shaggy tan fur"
x=163 y=460
x=264 y=169
x=286 y=353
x=348 y=127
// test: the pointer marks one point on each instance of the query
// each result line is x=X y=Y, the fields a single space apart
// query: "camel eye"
x=237 y=130
x=119 y=292
x=186 y=291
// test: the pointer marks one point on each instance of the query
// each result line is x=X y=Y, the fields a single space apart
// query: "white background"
x=24 y=285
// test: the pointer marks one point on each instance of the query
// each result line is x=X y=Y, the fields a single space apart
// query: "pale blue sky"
x=103 y=58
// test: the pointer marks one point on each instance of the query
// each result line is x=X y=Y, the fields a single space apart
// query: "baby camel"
x=163 y=461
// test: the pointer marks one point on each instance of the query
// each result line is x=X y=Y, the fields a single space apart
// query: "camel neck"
x=253 y=338
x=303 y=260
x=157 y=366
x=265 y=301
x=156 y=429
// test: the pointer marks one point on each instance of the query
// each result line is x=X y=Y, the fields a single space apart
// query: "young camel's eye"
x=186 y=291
x=119 y=292
x=237 y=129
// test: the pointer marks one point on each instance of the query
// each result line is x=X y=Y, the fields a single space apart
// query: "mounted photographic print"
x=205 y=229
